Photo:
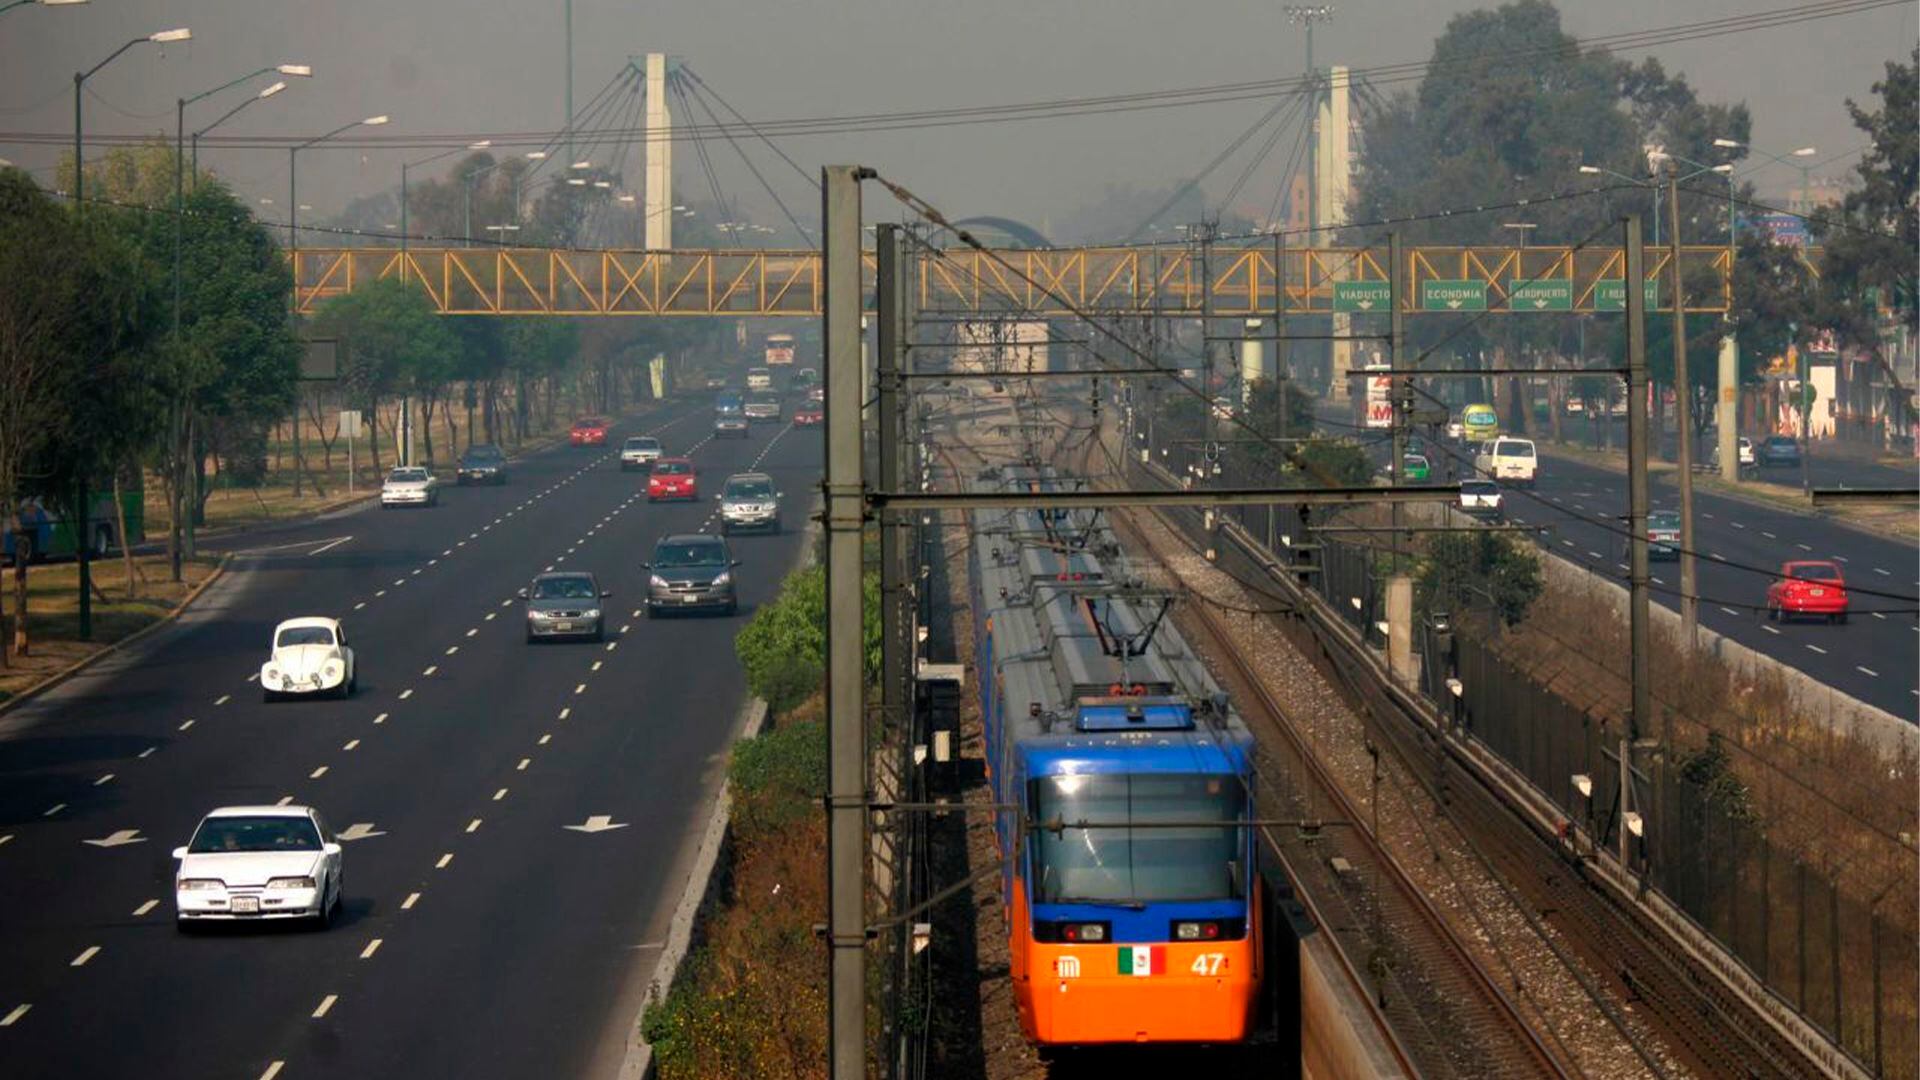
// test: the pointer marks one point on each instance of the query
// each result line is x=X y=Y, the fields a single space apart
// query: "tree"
x=1478 y=570
x=395 y=341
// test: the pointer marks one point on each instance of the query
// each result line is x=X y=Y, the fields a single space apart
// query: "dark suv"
x=481 y=464
x=691 y=572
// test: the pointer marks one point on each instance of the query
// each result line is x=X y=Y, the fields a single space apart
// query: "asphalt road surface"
x=480 y=937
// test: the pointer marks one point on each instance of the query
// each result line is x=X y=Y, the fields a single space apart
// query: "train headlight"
x=1084 y=932
x=1196 y=931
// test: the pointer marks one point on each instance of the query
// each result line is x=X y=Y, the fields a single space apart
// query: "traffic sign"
x=1362 y=295
x=1610 y=294
x=1438 y=295
x=1546 y=294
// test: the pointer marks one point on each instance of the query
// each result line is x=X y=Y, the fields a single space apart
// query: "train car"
x=1133 y=899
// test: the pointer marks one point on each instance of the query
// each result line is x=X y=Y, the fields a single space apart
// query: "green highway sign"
x=1438 y=295
x=1610 y=294
x=1546 y=294
x=1362 y=295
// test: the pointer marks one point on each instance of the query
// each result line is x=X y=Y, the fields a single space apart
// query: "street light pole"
x=1683 y=418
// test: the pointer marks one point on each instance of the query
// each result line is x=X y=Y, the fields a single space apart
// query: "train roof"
x=1087 y=654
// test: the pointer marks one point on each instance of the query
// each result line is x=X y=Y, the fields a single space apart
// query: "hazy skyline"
x=444 y=66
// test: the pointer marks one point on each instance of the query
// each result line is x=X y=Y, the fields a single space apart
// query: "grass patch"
x=53 y=611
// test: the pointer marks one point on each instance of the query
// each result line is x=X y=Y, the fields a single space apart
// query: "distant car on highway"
x=481 y=464
x=1510 y=459
x=759 y=378
x=716 y=382
x=1663 y=534
x=1779 y=450
x=409 y=485
x=1456 y=431
x=639 y=452
x=749 y=501
x=310 y=657
x=729 y=415
x=817 y=394
x=672 y=478
x=1808 y=587
x=588 y=431
x=1481 y=498
x=691 y=572
x=1743 y=449
x=249 y=863
x=565 y=604
x=764 y=407
x=1415 y=468
x=810 y=414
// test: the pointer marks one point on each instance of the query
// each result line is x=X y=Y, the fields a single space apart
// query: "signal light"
x=1084 y=932
x=1196 y=931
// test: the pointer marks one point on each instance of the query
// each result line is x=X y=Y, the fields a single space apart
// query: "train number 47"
x=1211 y=963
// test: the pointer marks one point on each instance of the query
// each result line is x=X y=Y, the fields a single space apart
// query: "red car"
x=809 y=416
x=588 y=431
x=1808 y=588
x=672 y=478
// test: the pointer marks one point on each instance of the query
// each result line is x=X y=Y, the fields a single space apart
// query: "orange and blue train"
x=1132 y=897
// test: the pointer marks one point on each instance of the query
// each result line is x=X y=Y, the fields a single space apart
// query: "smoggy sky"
x=458 y=66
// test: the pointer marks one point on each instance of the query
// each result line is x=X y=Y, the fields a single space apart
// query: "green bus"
x=51 y=535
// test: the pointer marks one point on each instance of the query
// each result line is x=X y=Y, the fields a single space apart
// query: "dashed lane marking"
x=54 y=809
x=1736 y=525
x=253 y=676
x=4 y=837
x=1768 y=535
x=491 y=615
x=13 y=1017
x=273 y=1070
x=545 y=739
x=1728 y=610
x=326 y=1005
x=359 y=605
x=473 y=631
x=407 y=693
x=106 y=779
x=1881 y=572
x=144 y=908
x=86 y=954
x=1595 y=555
x=1867 y=671
x=381 y=719
x=597 y=663
x=522 y=767
x=1818 y=649
x=1804 y=547
x=564 y=713
x=580 y=689
x=352 y=744
x=611 y=644
x=444 y=860
x=624 y=627
x=317 y=773
x=380 y=593
x=431 y=668
x=501 y=794
x=372 y=947
x=412 y=899
x=223 y=699
x=284 y=800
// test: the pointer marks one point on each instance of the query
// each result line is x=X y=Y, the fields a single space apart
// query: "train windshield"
x=1182 y=858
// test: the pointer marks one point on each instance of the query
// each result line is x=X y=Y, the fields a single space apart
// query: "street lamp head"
x=274 y=89
x=626 y=198
x=603 y=183
x=304 y=71
x=376 y=121
x=481 y=145
x=1723 y=170
x=581 y=165
x=577 y=181
x=167 y=36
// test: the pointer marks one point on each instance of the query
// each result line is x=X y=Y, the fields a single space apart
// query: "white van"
x=1508 y=459
x=759 y=378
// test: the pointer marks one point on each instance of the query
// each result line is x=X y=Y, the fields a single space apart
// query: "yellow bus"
x=1479 y=423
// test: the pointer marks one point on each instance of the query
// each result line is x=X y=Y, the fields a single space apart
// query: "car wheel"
x=529 y=637
x=1773 y=613
x=652 y=612
x=323 y=918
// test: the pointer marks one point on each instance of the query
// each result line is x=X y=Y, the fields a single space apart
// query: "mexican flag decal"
x=1143 y=959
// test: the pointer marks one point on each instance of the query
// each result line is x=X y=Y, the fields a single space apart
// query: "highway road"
x=481 y=937
x=1871 y=658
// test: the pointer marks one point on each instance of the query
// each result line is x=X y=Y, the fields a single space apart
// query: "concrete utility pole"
x=843 y=519
x=1401 y=384
x=658 y=205
x=891 y=433
x=1683 y=417
x=1640 y=614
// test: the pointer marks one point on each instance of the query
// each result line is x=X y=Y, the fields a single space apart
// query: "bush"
x=778 y=777
x=784 y=646
x=1478 y=571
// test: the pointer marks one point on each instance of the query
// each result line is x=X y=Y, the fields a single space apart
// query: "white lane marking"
x=372 y=947
x=407 y=693
x=4 y=837
x=351 y=744
x=1867 y=671
x=431 y=668
x=492 y=615
x=473 y=631
x=144 y=908
x=524 y=762
x=444 y=860
x=1728 y=610
x=107 y=779
x=1881 y=572
x=1768 y=535
x=1568 y=543
x=1803 y=547
x=431 y=562
x=273 y=1070
x=54 y=809
x=624 y=627
x=317 y=773
x=1658 y=581
x=501 y=794
x=359 y=605
x=253 y=676
x=328 y=546
x=399 y=581
x=564 y=713
x=1595 y=555
x=326 y=1004
x=86 y=954
x=1841 y=558
x=223 y=699
x=13 y=1017
x=549 y=568
x=544 y=739
x=611 y=644
x=474 y=825
x=451 y=649
x=147 y=753
x=284 y=800
x=636 y=613
x=597 y=663
x=1736 y=525
x=379 y=593
x=1769 y=629
x=1704 y=514
x=416 y=572
x=1881 y=615
x=1818 y=649
x=446 y=553
x=581 y=689
x=1716 y=555
x=412 y=899
x=462 y=543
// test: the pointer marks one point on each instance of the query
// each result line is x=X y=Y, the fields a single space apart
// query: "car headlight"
x=723 y=579
x=591 y=613
x=291 y=883
x=333 y=669
x=273 y=673
x=534 y=613
x=657 y=581
x=197 y=884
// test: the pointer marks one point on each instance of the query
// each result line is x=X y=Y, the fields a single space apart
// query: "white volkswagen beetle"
x=310 y=656
x=409 y=485
x=258 y=862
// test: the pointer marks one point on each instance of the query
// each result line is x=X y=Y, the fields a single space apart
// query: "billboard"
x=1379 y=398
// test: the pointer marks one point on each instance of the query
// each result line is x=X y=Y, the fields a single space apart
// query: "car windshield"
x=564 y=588
x=586 y=425
x=303 y=635
x=1513 y=449
x=1126 y=865
x=749 y=489
x=278 y=833
x=1415 y=461
x=1814 y=572
x=407 y=476
x=762 y=399
x=694 y=553
x=643 y=444
x=1663 y=519
x=671 y=468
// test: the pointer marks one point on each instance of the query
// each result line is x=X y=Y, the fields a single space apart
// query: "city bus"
x=779 y=349
x=51 y=534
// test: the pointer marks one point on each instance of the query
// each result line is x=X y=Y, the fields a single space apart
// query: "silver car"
x=409 y=485
x=749 y=501
x=565 y=604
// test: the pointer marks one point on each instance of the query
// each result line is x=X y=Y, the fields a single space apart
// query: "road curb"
x=90 y=659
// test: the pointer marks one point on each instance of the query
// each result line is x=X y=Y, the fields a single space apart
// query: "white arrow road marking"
x=595 y=824
x=120 y=837
x=359 y=830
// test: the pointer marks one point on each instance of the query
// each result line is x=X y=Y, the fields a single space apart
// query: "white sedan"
x=258 y=862
x=310 y=656
x=409 y=485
